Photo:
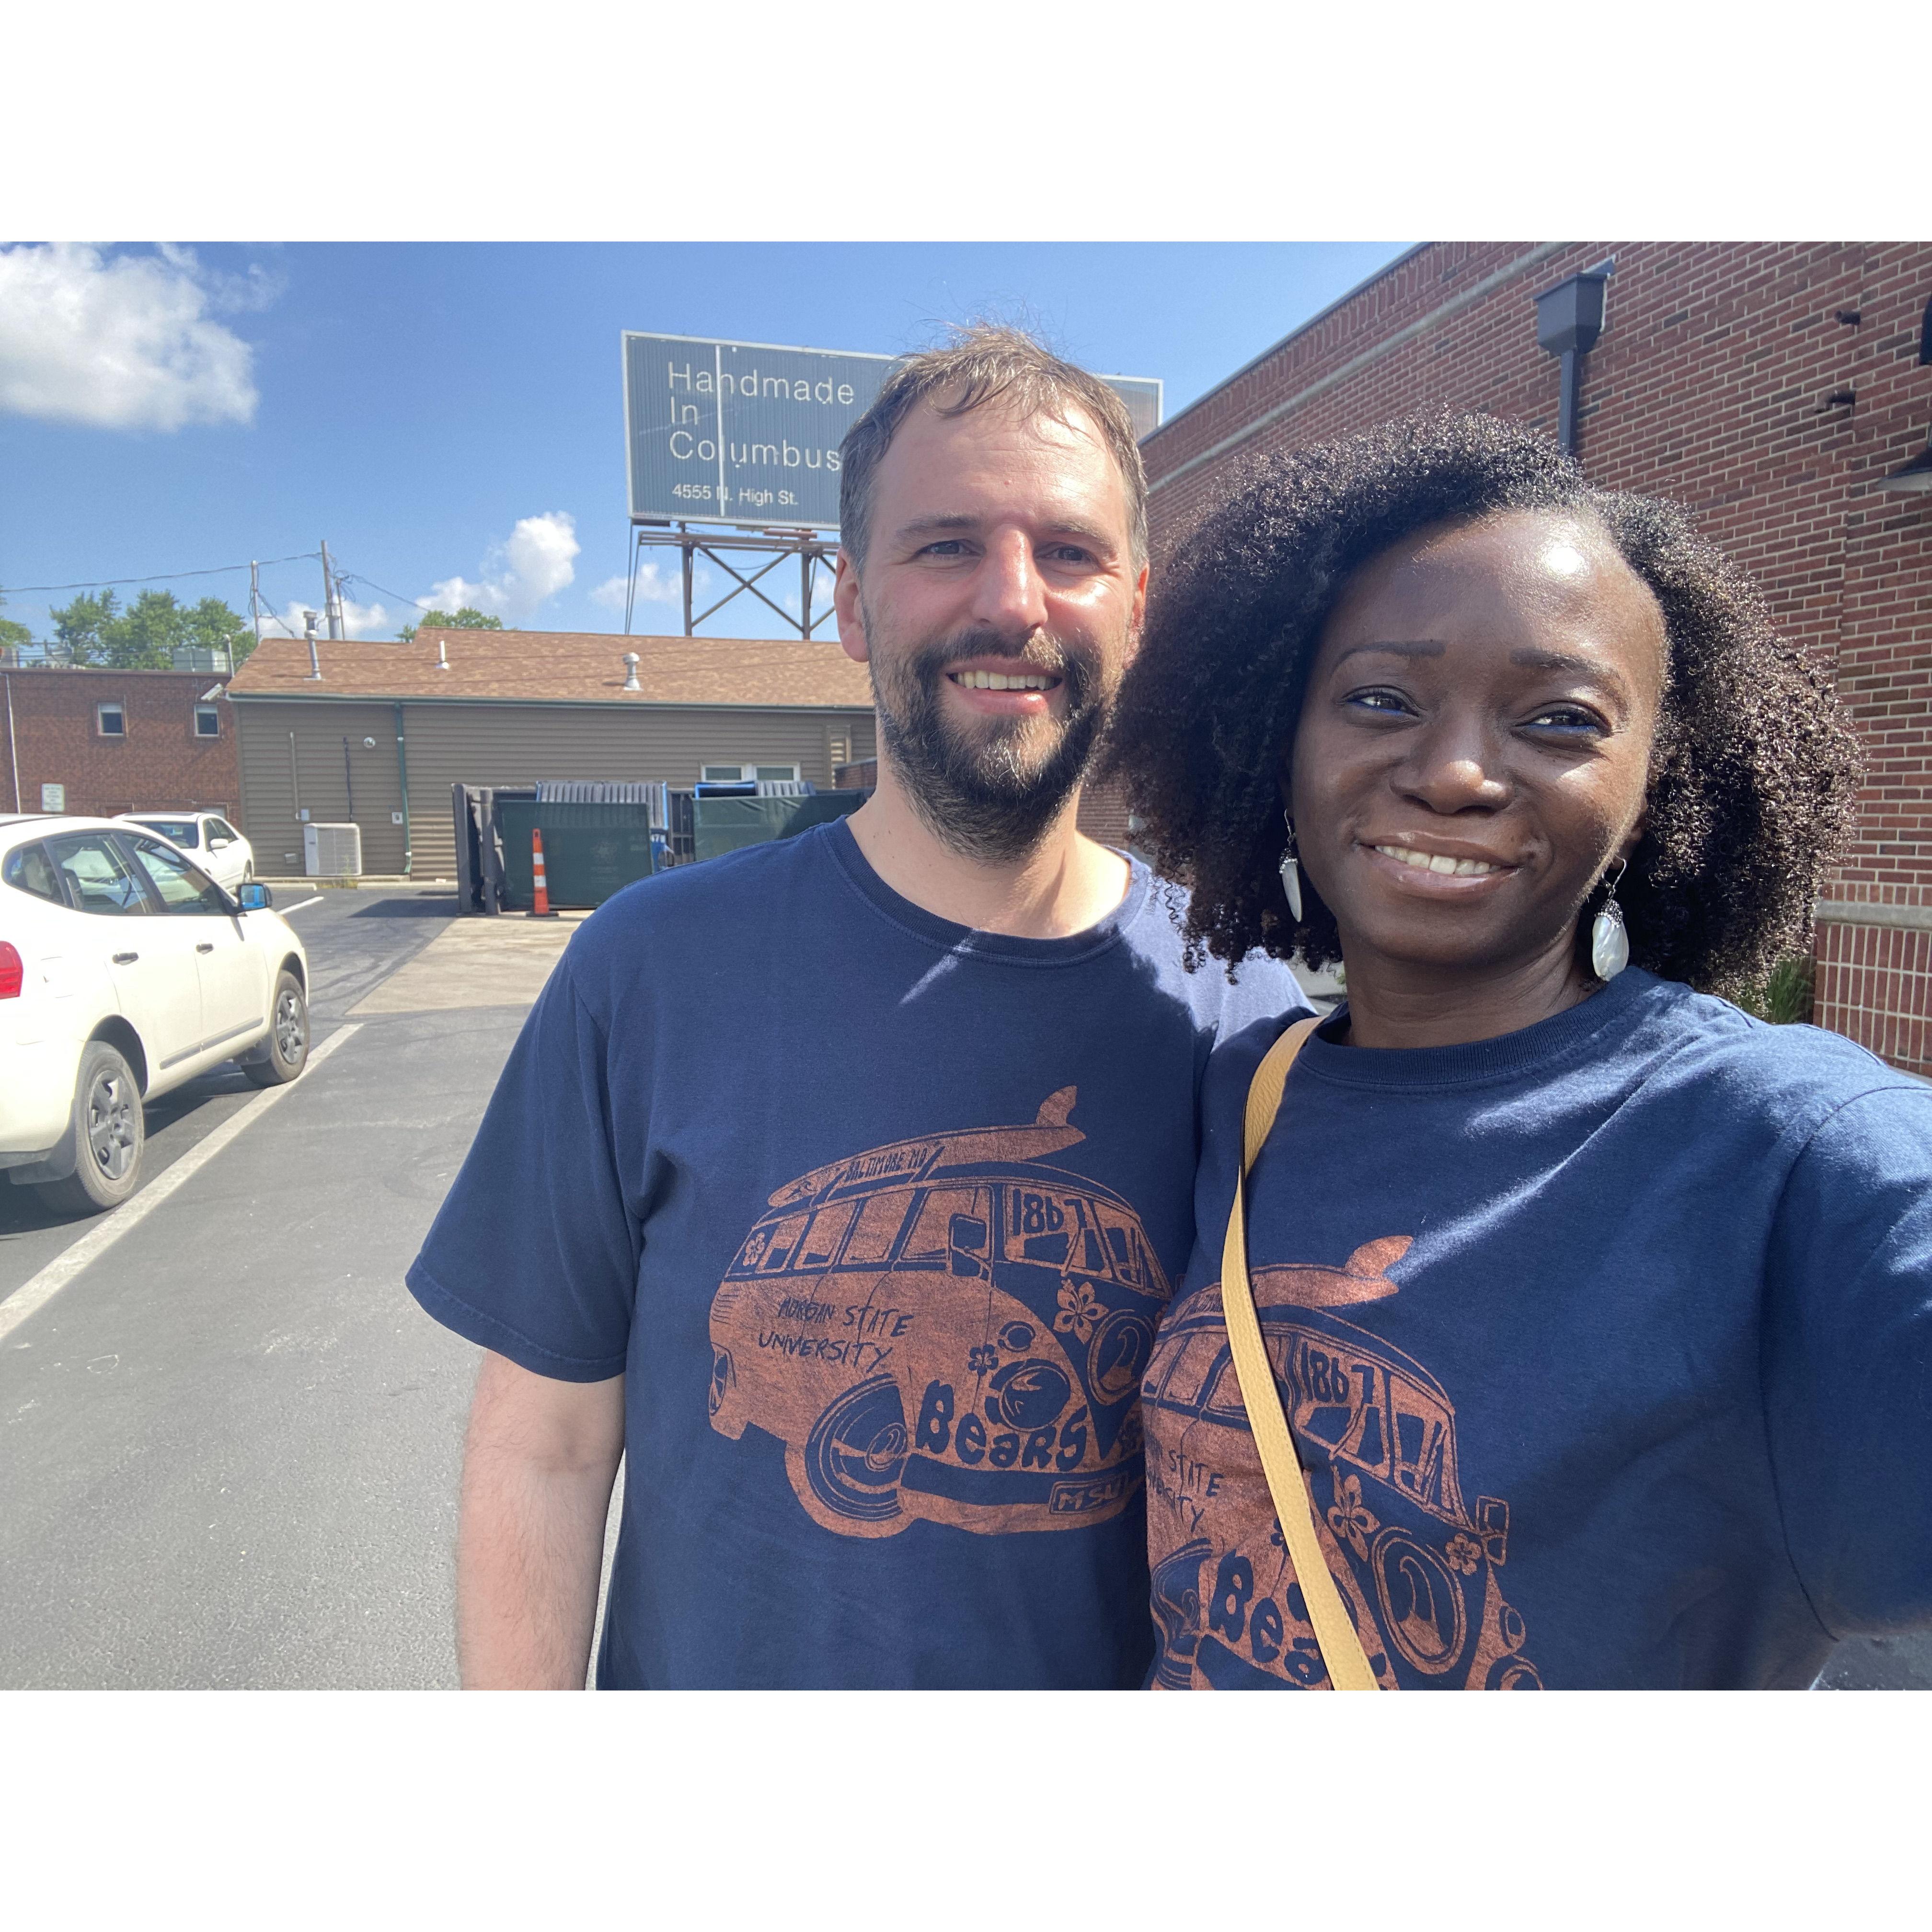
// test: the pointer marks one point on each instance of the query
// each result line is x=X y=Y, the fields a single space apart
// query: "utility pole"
x=254 y=608
x=331 y=594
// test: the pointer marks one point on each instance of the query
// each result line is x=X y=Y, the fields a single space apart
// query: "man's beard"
x=990 y=794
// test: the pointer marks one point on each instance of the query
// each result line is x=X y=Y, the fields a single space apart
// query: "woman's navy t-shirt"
x=876 y=1214
x=1607 y=1346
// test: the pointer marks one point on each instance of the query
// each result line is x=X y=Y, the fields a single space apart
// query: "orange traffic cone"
x=542 y=909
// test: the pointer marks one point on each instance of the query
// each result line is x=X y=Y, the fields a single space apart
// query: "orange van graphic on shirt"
x=1417 y=1568
x=945 y=1328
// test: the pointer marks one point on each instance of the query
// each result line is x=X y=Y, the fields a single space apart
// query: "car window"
x=220 y=828
x=96 y=877
x=183 y=888
x=184 y=831
x=29 y=867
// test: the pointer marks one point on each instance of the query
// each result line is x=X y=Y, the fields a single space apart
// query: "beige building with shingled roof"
x=390 y=728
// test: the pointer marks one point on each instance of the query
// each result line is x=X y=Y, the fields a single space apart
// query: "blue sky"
x=445 y=412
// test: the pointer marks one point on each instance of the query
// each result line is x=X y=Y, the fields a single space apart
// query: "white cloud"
x=539 y=553
x=288 y=621
x=358 y=620
x=452 y=593
x=526 y=570
x=655 y=585
x=123 y=341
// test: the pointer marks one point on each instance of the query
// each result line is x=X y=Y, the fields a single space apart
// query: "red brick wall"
x=1103 y=815
x=1710 y=384
x=1872 y=984
x=159 y=764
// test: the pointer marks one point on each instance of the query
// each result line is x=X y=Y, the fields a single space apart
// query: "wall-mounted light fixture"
x=1569 y=319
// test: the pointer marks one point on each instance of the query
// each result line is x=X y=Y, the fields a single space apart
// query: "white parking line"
x=35 y=1295
x=285 y=910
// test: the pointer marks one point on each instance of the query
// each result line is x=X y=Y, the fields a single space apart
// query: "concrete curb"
x=290 y=880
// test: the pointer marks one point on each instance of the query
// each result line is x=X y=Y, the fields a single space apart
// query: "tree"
x=78 y=626
x=12 y=635
x=467 y=619
x=212 y=626
x=154 y=627
x=95 y=630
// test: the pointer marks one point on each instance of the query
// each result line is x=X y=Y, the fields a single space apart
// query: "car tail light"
x=13 y=974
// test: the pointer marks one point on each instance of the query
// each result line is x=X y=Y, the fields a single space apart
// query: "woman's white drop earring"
x=1291 y=873
x=1610 y=940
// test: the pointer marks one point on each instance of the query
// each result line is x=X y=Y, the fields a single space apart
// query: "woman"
x=1601 y=1312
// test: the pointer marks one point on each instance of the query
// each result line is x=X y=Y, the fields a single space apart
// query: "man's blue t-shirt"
x=877 y=1215
x=1607 y=1346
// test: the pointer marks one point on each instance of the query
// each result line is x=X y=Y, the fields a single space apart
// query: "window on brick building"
x=207 y=722
x=110 y=718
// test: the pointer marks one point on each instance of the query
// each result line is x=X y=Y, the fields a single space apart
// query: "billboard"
x=748 y=433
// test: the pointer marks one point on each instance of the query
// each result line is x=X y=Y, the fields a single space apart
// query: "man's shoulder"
x=1229 y=996
x=689 y=911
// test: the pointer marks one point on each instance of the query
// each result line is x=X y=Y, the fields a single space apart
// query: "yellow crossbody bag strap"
x=1342 y=1650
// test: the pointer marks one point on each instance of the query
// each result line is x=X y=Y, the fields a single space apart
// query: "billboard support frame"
x=686 y=398
x=811 y=547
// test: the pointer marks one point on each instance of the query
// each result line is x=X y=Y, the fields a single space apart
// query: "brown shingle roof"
x=573 y=667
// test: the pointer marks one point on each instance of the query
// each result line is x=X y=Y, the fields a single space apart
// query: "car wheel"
x=248 y=873
x=110 y=1131
x=288 y=1035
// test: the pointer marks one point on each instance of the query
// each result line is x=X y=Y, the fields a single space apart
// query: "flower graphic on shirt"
x=1080 y=1311
x=1464 y=1553
x=982 y=1360
x=1351 y=1519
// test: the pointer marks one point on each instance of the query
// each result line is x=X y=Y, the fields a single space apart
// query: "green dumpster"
x=590 y=851
x=720 y=825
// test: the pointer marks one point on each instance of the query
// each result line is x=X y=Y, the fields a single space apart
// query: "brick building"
x=119 y=741
x=1769 y=387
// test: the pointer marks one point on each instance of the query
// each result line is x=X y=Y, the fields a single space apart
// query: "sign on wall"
x=748 y=432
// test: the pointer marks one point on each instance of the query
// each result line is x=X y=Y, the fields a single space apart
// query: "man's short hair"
x=983 y=363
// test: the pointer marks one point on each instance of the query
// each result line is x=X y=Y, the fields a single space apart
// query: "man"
x=837 y=1184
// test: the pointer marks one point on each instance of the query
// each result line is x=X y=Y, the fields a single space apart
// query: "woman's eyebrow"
x=1534 y=657
x=1418 y=647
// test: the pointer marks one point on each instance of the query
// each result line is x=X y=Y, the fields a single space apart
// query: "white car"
x=208 y=838
x=125 y=970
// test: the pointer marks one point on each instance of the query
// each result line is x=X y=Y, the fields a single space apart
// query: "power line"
x=355 y=576
x=166 y=576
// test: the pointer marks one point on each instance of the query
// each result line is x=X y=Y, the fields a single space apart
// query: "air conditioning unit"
x=332 y=851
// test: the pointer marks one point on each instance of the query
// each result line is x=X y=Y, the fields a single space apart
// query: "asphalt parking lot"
x=230 y=1444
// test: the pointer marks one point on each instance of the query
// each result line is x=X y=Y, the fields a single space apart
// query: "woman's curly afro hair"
x=1753 y=776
